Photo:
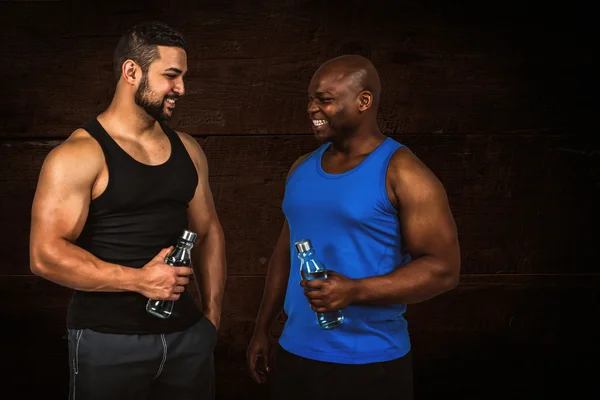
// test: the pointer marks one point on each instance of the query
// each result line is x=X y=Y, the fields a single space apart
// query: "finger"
x=266 y=359
x=179 y=289
x=317 y=303
x=182 y=280
x=163 y=253
x=174 y=296
x=313 y=295
x=252 y=367
x=183 y=271
x=314 y=285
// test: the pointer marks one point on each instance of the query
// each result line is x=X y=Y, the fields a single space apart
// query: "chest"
x=352 y=200
x=335 y=164
x=150 y=151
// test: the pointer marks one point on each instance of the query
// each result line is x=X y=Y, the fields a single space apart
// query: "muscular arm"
x=430 y=234
x=208 y=255
x=58 y=215
x=257 y=355
x=277 y=275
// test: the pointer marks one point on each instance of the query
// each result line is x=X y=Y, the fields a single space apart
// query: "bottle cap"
x=189 y=236
x=303 y=245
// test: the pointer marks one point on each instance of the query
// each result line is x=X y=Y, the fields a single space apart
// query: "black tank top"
x=142 y=210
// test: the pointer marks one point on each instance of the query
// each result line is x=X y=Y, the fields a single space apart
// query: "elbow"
x=38 y=264
x=211 y=230
x=452 y=276
x=446 y=282
x=215 y=232
x=451 y=266
x=448 y=275
x=36 y=267
x=452 y=281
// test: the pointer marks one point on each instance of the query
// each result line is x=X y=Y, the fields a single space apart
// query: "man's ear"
x=131 y=72
x=365 y=100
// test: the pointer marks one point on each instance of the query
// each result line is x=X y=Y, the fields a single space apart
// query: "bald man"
x=379 y=219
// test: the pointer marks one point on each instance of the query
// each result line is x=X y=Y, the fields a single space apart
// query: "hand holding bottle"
x=334 y=293
x=312 y=269
x=180 y=261
x=161 y=281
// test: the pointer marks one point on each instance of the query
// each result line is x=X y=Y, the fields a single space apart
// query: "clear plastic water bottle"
x=180 y=257
x=311 y=268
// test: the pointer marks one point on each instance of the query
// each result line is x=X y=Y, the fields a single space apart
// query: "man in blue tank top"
x=379 y=220
x=110 y=203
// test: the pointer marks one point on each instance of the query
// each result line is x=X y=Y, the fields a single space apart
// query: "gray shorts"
x=170 y=366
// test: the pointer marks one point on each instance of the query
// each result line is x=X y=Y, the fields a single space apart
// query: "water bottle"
x=311 y=268
x=179 y=257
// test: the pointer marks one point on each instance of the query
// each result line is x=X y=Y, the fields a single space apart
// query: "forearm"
x=68 y=265
x=209 y=261
x=419 y=280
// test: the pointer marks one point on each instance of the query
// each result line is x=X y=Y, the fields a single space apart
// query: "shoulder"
x=196 y=154
x=299 y=161
x=76 y=161
x=80 y=150
x=410 y=177
x=404 y=159
x=194 y=149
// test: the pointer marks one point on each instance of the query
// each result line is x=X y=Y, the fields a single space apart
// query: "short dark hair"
x=140 y=44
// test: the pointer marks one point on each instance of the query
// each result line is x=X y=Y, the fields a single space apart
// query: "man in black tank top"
x=110 y=203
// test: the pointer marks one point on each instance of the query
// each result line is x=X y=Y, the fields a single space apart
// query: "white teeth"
x=172 y=101
x=319 y=122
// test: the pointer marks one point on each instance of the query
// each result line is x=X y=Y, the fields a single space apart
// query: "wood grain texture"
x=523 y=204
x=496 y=98
x=444 y=69
x=489 y=325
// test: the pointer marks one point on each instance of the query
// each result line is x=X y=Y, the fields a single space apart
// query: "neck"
x=362 y=141
x=123 y=115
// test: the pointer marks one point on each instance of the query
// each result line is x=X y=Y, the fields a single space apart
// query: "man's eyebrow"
x=174 y=70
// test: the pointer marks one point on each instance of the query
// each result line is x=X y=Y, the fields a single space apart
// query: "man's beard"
x=154 y=108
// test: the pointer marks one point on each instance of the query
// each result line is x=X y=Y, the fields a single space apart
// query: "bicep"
x=62 y=197
x=427 y=223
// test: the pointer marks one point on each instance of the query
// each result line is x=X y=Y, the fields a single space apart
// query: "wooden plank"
x=523 y=204
x=250 y=67
x=513 y=305
x=527 y=327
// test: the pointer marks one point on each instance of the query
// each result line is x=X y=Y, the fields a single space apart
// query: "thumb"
x=267 y=358
x=163 y=253
x=334 y=274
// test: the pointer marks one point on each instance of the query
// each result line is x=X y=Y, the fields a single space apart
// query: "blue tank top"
x=354 y=230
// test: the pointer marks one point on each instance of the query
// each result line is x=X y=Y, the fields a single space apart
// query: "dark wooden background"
x=496 y=97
